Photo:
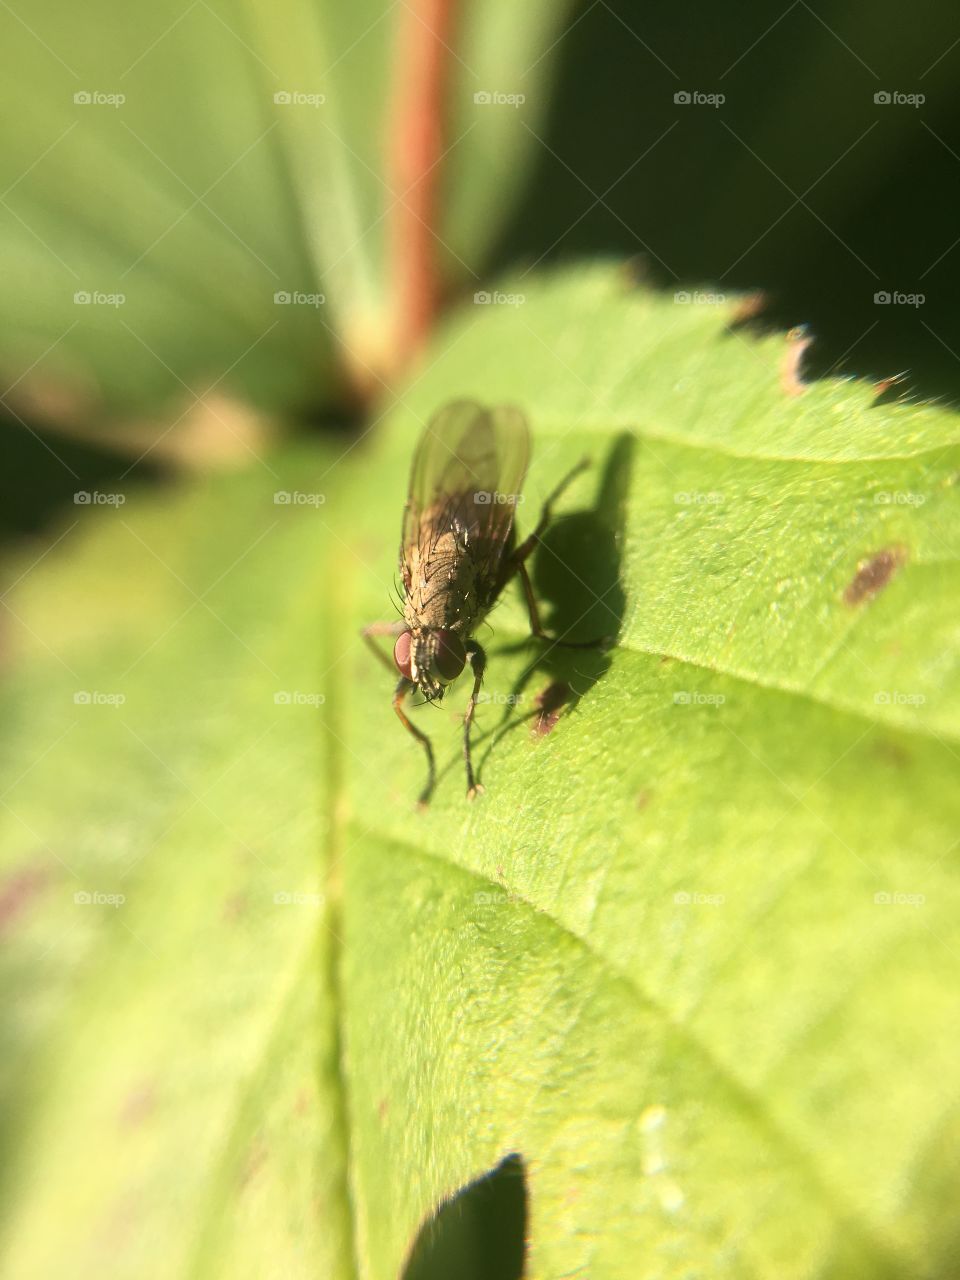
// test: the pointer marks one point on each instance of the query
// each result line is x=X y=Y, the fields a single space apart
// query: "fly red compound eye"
x=450 y=656
x=401 y=654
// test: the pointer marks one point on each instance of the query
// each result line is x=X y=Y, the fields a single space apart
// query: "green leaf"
x=170 y=1065
x=691 y=957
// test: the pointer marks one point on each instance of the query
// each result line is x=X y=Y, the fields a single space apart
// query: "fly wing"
x=464 y=484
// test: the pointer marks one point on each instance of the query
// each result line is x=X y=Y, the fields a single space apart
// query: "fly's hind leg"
x=478 y=661
x=522 y=553
x=536 y=626
x=403 y=688
x=546 y=514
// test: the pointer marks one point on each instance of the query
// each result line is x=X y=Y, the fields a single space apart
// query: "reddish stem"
x=416 y=146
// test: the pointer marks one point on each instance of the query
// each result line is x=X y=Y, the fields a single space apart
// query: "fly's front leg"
x=478 y=661
x=403 y=688
x=375 y=629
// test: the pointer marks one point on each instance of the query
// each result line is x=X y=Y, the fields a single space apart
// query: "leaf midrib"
x=804 y=1160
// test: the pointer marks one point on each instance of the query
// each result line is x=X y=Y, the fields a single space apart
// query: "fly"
x=458 y=551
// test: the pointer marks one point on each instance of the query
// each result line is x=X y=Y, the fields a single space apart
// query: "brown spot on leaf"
x=551 y=701
x=383 y=1106
x=139 y=1103
x=892 y=753
x=235 y=906
x=873 y=574
x=643 y=799
x=17 y=892
x=256 y=1155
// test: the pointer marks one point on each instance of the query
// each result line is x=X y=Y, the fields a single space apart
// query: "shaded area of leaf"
x=577 y=582
x=479 y=1234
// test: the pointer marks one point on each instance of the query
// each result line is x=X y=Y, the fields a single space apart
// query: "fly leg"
x=546 y=514
x=382 y=629
x=403 y=688
x=536 y=626
x=517 y=564
x=478 y=661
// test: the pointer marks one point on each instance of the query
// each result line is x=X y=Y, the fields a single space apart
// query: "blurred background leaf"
x=201 y=159
x=200 y=197
x=168 y=1050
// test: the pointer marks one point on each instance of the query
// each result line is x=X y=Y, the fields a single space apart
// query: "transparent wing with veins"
x=465 y=482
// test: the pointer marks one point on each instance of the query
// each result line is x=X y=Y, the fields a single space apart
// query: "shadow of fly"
x=458 y=550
